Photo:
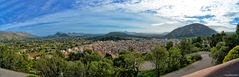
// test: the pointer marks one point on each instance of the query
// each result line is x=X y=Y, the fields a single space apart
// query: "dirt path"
x=147 y=65
x=228 y=69
x=9 y=73
x=204 y=63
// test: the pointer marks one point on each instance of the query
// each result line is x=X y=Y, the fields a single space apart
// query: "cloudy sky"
x=44 y=17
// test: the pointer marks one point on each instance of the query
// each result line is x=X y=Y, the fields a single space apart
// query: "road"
x=9 y=73
x=228 y=69
x=147 y=65
x=204 y=63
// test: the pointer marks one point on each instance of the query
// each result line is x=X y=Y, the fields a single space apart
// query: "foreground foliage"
x=233 y=54
x=223 y=46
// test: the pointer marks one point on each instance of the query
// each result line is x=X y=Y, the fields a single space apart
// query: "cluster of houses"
x=118 y=46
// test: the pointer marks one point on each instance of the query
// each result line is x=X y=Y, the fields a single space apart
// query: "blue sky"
x=44 y=17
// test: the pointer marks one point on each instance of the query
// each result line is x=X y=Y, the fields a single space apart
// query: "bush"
x=219 y=52
x=233 y=54
x=196 y=57
x=32 y=75
x=193 y=58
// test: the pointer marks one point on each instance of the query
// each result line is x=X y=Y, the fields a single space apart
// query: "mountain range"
x=191 y=30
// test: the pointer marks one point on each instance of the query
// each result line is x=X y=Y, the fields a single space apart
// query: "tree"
x=159 y=57
x=237 y=29
x=89 y=56
x=224 y=43
x=186 y=46
x=86 y=57
x=215 y=38
x=11 y=59
x=129 y=63
x=51 y=66
x=169 y=45
x=197 y=40
x=219 y=52
x=100 y=68
x=74 y=69
x=75 y=56
x=174 y=59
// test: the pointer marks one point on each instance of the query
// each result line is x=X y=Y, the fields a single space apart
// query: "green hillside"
x=14 y=35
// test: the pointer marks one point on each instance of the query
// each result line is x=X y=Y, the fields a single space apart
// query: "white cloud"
x=176 y=10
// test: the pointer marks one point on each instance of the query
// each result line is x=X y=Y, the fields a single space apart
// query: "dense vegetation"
x=223 y=46
x=43 y=57
x=21 y=55
x=233 y=54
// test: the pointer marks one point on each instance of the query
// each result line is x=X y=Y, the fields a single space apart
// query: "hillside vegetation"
x=192 y=30
x=14 y=35
x=224 y=46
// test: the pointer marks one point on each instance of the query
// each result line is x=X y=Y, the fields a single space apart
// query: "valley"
x=119 y=38
x=114 y=54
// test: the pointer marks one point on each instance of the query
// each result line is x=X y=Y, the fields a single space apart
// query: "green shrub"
x=196 y=57
x=233 y=54
x=193 y=58
x=32 y=75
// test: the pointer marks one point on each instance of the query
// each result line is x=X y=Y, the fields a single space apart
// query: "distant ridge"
x=14 y=35
x=117 y=34
x=65 y=35
x=191 y=30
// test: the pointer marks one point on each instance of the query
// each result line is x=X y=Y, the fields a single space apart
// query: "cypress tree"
x=237 y=29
